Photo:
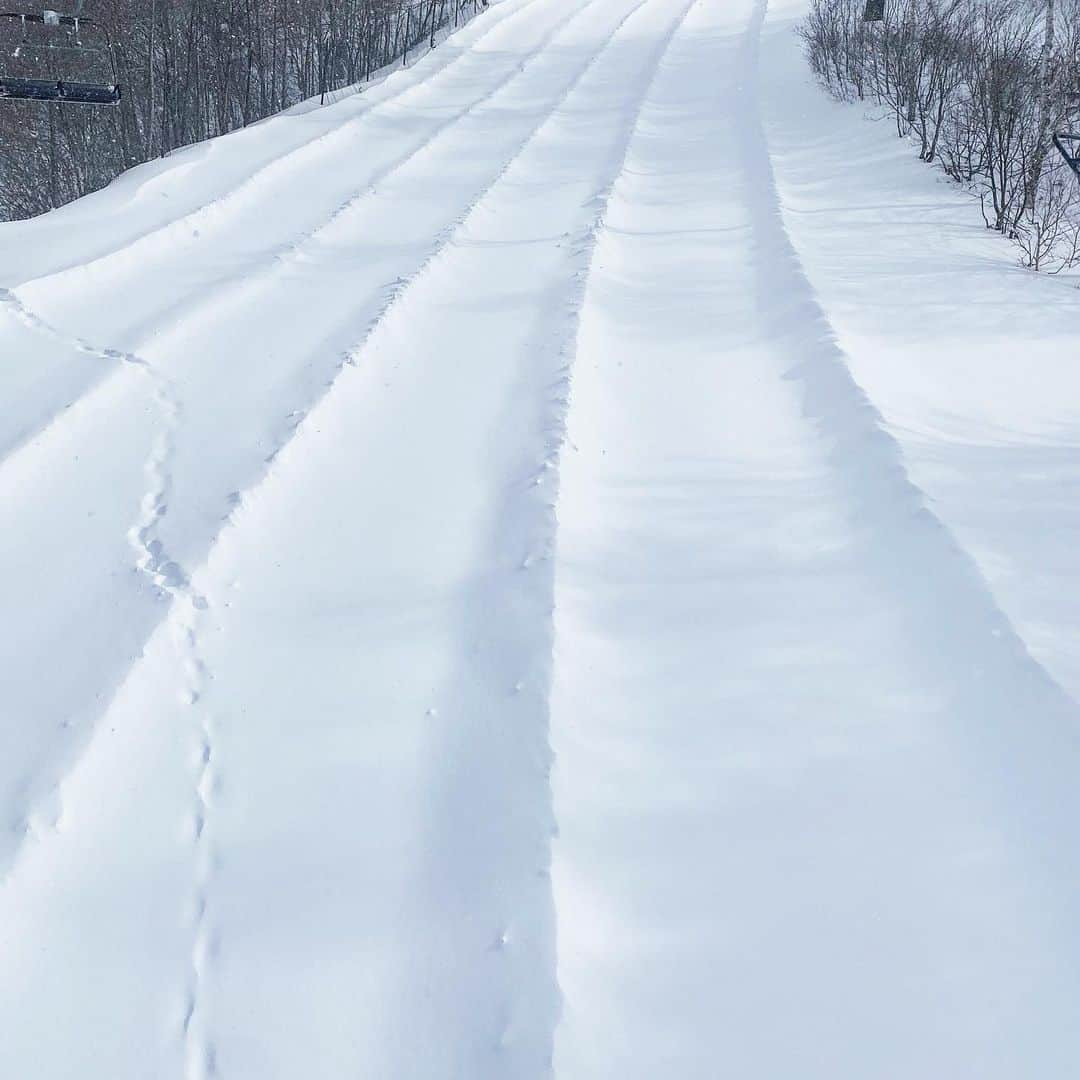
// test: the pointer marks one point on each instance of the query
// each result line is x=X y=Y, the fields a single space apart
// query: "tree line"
x=191 y=70
x=979 y=86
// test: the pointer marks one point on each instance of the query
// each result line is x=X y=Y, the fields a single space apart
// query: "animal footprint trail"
x=191 y=609
x=477 y=662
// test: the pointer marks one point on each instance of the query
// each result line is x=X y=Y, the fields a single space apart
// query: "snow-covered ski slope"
x=560 y=564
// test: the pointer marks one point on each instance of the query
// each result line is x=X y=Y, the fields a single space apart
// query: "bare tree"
x=979 y=86
x=194 y=69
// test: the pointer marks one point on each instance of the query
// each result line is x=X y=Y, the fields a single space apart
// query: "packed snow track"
x=496 y=584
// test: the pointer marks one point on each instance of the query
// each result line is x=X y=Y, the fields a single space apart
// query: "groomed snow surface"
x=562 y=563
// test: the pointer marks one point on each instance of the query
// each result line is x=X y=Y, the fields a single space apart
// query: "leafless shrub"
x=979 y=86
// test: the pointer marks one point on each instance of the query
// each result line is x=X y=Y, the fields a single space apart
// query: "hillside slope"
x=557 y=564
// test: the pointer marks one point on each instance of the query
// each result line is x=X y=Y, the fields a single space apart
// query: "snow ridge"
x=585 y=246
x=966 y=641
x=580 y=685
x=864 y=450
x=191 y=605
x=179 y=227
x=247 y=279
x=531 y=504
x=396 y=290
x=151 y=558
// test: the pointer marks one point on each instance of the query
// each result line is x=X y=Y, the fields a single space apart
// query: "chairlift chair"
x=1068 y=145
x=39 y=68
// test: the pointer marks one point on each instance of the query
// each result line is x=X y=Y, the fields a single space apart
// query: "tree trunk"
x=1042 y=145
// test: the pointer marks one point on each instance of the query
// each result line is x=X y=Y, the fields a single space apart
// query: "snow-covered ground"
x=557 y=564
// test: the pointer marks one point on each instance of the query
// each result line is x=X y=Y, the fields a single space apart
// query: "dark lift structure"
x=54 y=56
x=1068 y=146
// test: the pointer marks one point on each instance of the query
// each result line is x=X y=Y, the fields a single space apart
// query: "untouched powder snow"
x=557 y=565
